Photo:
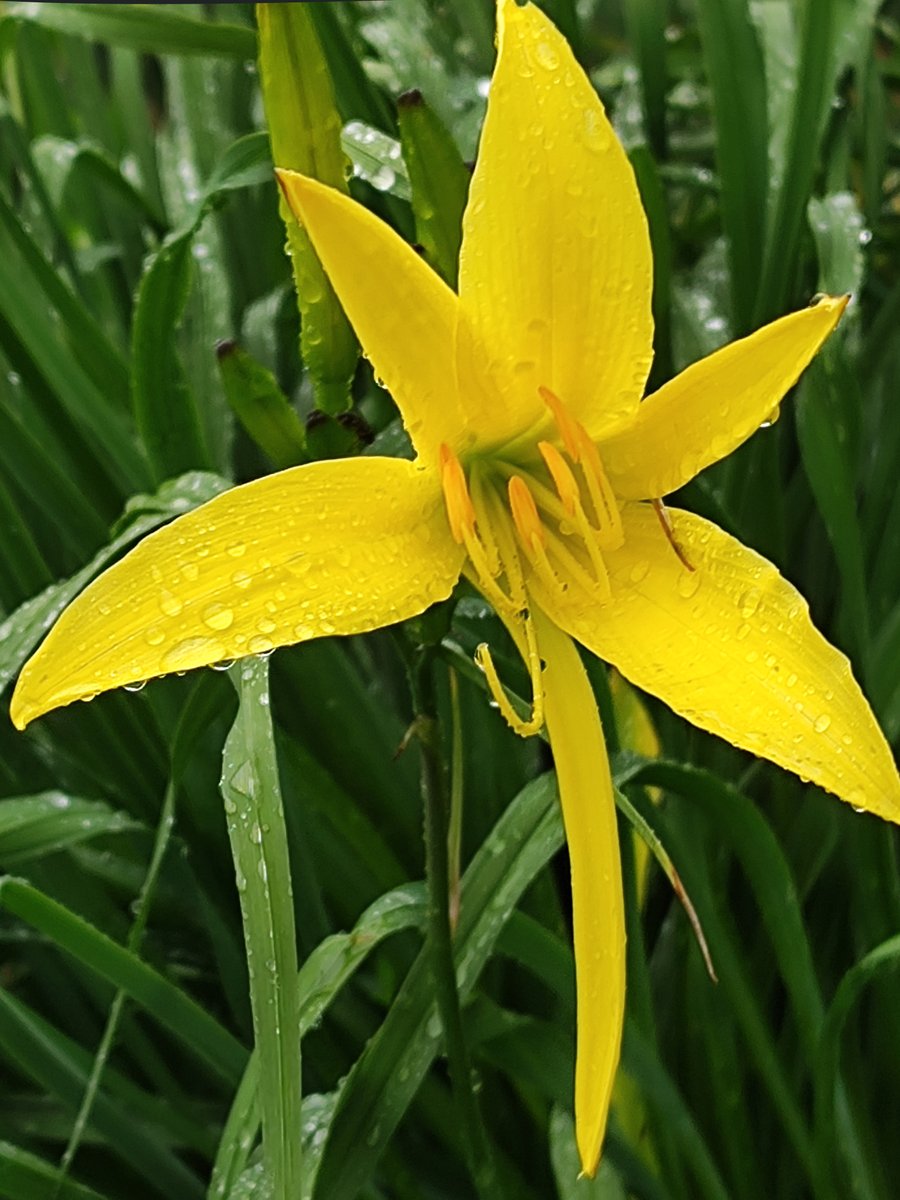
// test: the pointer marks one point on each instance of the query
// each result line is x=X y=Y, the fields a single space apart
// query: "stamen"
x=581 y=449
x=609 y=520
x=524 y=513
x=666 y=521
x=566 y=487
x=460 y=510
x=565 y=422
x=534 y=724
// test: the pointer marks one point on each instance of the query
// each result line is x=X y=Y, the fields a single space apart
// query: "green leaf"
x=32 y=826
x=261 y=406
x=40 y=1053
x=377 y=159
x=321 y=977
x=172 y=1007
x=439 y=180
x=147 y=27
x=24 y=1176
x=731 y=52
x=570 y=1183
x=304 y=127
x=810 y=108
x=885 y=957
x=169 y=421
x=86 y=337
x=256 y=828
x=383 y=1082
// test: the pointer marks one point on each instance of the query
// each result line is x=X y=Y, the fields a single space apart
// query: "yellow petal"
x=404 y=314
x=331 y=548
x=731 y=647
x=555 y=267
x=589 y=813
x=715 y=404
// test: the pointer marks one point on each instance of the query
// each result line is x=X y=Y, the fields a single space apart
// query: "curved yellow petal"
x=330 y=548
x=589 y=813
x=730 y=646
x=404 y=314
x=555 y=267
x=715 y=404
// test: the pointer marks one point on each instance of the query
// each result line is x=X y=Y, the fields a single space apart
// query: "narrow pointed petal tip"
x=405 y=316
x=328 y=549
x=716 y=403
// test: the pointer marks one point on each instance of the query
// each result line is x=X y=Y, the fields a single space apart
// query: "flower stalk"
x=436 y=799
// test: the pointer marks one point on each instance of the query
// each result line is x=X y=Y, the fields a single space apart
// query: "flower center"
x=550 y=521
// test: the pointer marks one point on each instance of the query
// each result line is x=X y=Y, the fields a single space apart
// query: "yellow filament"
x=566 y=424
x=581 y=450
x=463 y=525
x=602 y=496
x=534 y=724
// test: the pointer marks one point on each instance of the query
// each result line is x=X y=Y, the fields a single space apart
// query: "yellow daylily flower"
x=537 y=468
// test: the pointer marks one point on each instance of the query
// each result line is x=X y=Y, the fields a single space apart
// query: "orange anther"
x=525 y=514
x=566 y=486
x=566 y=424
x=460 y=510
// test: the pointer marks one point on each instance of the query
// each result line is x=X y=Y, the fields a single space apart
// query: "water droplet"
x=256 y=834
x=224 y=664
x=169 y=603
x=749 y=602
x=154 y=637
x=260 y=645
x=218 y=616
x=136 y=686
x=190 y=571
x=688 y=584
x=546 y=56
x=639 y=571
x=266 y=625
x=241 y=579
x=236 y=549
x=192 y=652
x=821 y=723
x=596 y=130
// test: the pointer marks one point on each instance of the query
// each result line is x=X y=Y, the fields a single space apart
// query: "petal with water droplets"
x=330 y=548
x=731 y=647
x=589 y=813
x=555 y=266
x=715 y=404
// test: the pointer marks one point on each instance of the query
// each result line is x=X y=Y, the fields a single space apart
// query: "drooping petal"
x=331 y=548
x=404 y=314
x=555 y=268
x=589 y=813
x=730 y=646
x=715 y=404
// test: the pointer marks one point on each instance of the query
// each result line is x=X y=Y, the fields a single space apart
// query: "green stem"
x=437 y=821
